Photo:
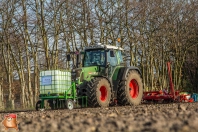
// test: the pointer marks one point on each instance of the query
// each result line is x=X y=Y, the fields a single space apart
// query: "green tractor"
x=105 y=79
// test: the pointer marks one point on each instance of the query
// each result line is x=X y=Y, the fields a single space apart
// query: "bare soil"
x=173 y=117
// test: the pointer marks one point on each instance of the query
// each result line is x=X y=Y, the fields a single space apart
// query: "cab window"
x=112 y=60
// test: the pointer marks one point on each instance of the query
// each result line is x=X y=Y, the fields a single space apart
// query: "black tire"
x=82 y=91
x=69 y=104
x=98 y=92
x=38 y=105
x=51 y=104
x=130 y=91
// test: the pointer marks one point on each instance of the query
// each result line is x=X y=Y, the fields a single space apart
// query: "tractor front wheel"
x=130 y=91
x=99 y=92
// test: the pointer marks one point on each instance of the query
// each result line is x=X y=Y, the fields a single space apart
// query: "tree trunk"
x=1 y=95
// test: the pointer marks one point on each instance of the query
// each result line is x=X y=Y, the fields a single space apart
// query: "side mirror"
x=68 y=57
x=112 y=53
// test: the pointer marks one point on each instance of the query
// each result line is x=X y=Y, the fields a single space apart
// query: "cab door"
x=112 y=62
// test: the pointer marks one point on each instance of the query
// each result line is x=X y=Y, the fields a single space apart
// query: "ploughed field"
x=173 y=117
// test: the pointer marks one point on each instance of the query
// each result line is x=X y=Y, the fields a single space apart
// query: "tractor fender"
x=126 y=70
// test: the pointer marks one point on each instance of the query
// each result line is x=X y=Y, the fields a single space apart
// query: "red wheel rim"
x=133 y=88
x=103 y=93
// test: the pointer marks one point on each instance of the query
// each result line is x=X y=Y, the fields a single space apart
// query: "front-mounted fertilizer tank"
x=57 y=91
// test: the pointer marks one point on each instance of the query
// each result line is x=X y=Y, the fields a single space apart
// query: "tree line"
x=37 y=35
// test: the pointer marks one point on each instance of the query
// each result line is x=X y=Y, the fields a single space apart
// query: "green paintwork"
x=88 y=72
x=115 y=74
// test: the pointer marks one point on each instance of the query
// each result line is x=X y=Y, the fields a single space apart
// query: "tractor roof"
x=99 y=45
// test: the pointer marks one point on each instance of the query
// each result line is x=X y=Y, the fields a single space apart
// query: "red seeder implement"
x=163 y=95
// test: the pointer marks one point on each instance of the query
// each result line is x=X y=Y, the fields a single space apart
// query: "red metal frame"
x=163 y=95
x=170 y=80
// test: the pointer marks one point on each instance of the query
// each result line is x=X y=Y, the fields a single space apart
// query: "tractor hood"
x=86 y=73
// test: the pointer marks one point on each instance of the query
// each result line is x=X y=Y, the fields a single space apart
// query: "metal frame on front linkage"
x=59 y=100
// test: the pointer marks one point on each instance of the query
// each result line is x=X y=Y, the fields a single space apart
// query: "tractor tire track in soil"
x=173 y=117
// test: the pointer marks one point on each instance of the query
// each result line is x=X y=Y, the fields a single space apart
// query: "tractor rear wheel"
x=130 y=91
x=98 y=92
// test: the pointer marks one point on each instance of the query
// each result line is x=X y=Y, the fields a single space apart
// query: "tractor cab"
x=97 y=60
x=102 y=55
x=105 y=57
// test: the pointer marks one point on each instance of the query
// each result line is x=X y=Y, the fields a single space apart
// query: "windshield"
x=94 y=58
